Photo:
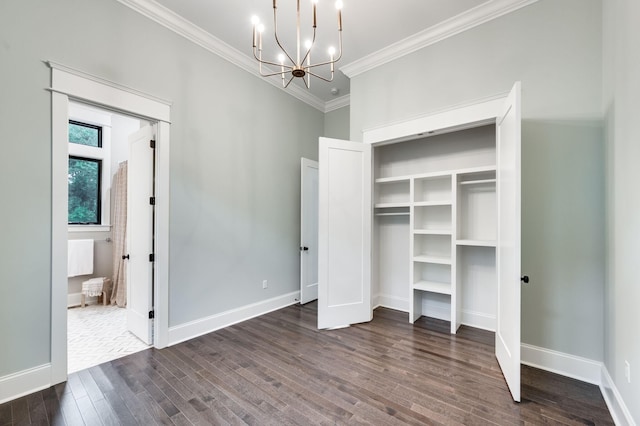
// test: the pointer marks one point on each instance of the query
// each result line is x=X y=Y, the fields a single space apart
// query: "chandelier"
x=299 y=66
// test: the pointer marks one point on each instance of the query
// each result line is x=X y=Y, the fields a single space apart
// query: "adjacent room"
x=343 y=212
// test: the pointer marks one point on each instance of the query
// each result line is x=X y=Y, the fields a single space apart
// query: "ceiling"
x=369 y=26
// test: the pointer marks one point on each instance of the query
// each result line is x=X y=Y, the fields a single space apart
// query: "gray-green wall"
x=622 y=109
x=336 y=123
x=236 y=144
x=554 y=48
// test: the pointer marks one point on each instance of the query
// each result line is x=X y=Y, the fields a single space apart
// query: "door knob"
x=304 y=248
x=125 y=256
x=525 y=279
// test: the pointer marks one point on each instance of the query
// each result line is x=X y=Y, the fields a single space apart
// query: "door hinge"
x=152 y=257
x=152 y=314
x=152 y=144
x=152 y=201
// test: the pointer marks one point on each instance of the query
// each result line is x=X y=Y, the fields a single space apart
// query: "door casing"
x=69 y=84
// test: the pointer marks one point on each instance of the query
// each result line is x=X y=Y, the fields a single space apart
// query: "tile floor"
x=97 y=334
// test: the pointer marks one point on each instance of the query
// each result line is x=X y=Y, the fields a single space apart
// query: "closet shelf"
x=432 y=203
x=432 y=231
x=477 y=243
x=433 y=287
x=393 y=214
x=476 y=182
x=391 y=205
x=433 y=259
x=393 y=179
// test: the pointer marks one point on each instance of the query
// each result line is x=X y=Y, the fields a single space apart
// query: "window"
x=84 y=191
x=89 y=170
x=85 y=134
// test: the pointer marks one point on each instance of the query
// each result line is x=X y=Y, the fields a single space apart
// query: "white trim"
x=479 y=320
x=89 y=228
x=392 y=302
x=24 y=382
x=618 y=409
x=196 y=328
x=68 y=83
x=466 y=20
x=576 y=367
x=59 y=235
x=437 y=310
x=105 y=93
x=176 y=23
x=453 y=118
x=337 y=103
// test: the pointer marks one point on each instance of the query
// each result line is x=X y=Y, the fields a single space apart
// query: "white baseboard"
x=584 y=369
x=392 y=302
x=74 y=299
x=618 y=409
x=436 y=309
x=196 y=328
x=24 y=382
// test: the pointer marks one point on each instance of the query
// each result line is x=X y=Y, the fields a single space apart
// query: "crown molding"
x=176 y=23
x=469 y=19
x=337 y=103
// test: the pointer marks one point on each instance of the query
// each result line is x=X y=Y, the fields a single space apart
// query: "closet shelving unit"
x=450 y=212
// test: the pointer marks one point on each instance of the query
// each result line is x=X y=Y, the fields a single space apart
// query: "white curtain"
x=119 y=228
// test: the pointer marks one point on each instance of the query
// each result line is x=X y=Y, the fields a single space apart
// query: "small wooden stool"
x=94 y=287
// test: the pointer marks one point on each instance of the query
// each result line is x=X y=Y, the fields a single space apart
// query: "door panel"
x=140 y=234
x=308 y=231
x=344 y=242
x=508 y=259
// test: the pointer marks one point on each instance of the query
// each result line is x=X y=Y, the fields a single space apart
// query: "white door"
x=140 y=234
x=344 y=233
x=508 y=263
x=308 y=230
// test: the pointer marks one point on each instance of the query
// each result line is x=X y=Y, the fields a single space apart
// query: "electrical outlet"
x=264 y=284
x=627 y=371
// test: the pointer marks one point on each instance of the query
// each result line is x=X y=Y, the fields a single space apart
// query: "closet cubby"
x=429 y=246
x=432 y=277
x=432 y=219
x=391 y=193
x=477 y=207
x=436 y=189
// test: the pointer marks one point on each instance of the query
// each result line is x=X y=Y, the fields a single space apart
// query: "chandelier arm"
x=290 y=80
x=272 y=74
x=313 y=41
x=289 y=67
x=320 y=77
x=275 y=33
x=329 y=62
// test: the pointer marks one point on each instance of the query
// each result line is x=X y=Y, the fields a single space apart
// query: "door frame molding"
x=304 y=260
x=70 y=84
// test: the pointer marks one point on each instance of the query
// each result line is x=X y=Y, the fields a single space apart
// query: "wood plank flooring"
x=278 y=369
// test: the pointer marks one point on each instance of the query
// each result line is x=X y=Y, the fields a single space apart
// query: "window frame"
x=87 y=116
x=89 y=126
x=99 y=192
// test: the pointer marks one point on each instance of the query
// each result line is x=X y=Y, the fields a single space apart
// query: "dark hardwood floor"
x=278 y=369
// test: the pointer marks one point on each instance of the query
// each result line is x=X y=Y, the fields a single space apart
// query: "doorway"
x=99 y=327
x=70 y=85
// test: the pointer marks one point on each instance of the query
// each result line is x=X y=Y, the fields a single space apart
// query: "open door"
x=308 y=230
x=508 y=256
x=140 y=234
x=344 y=233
